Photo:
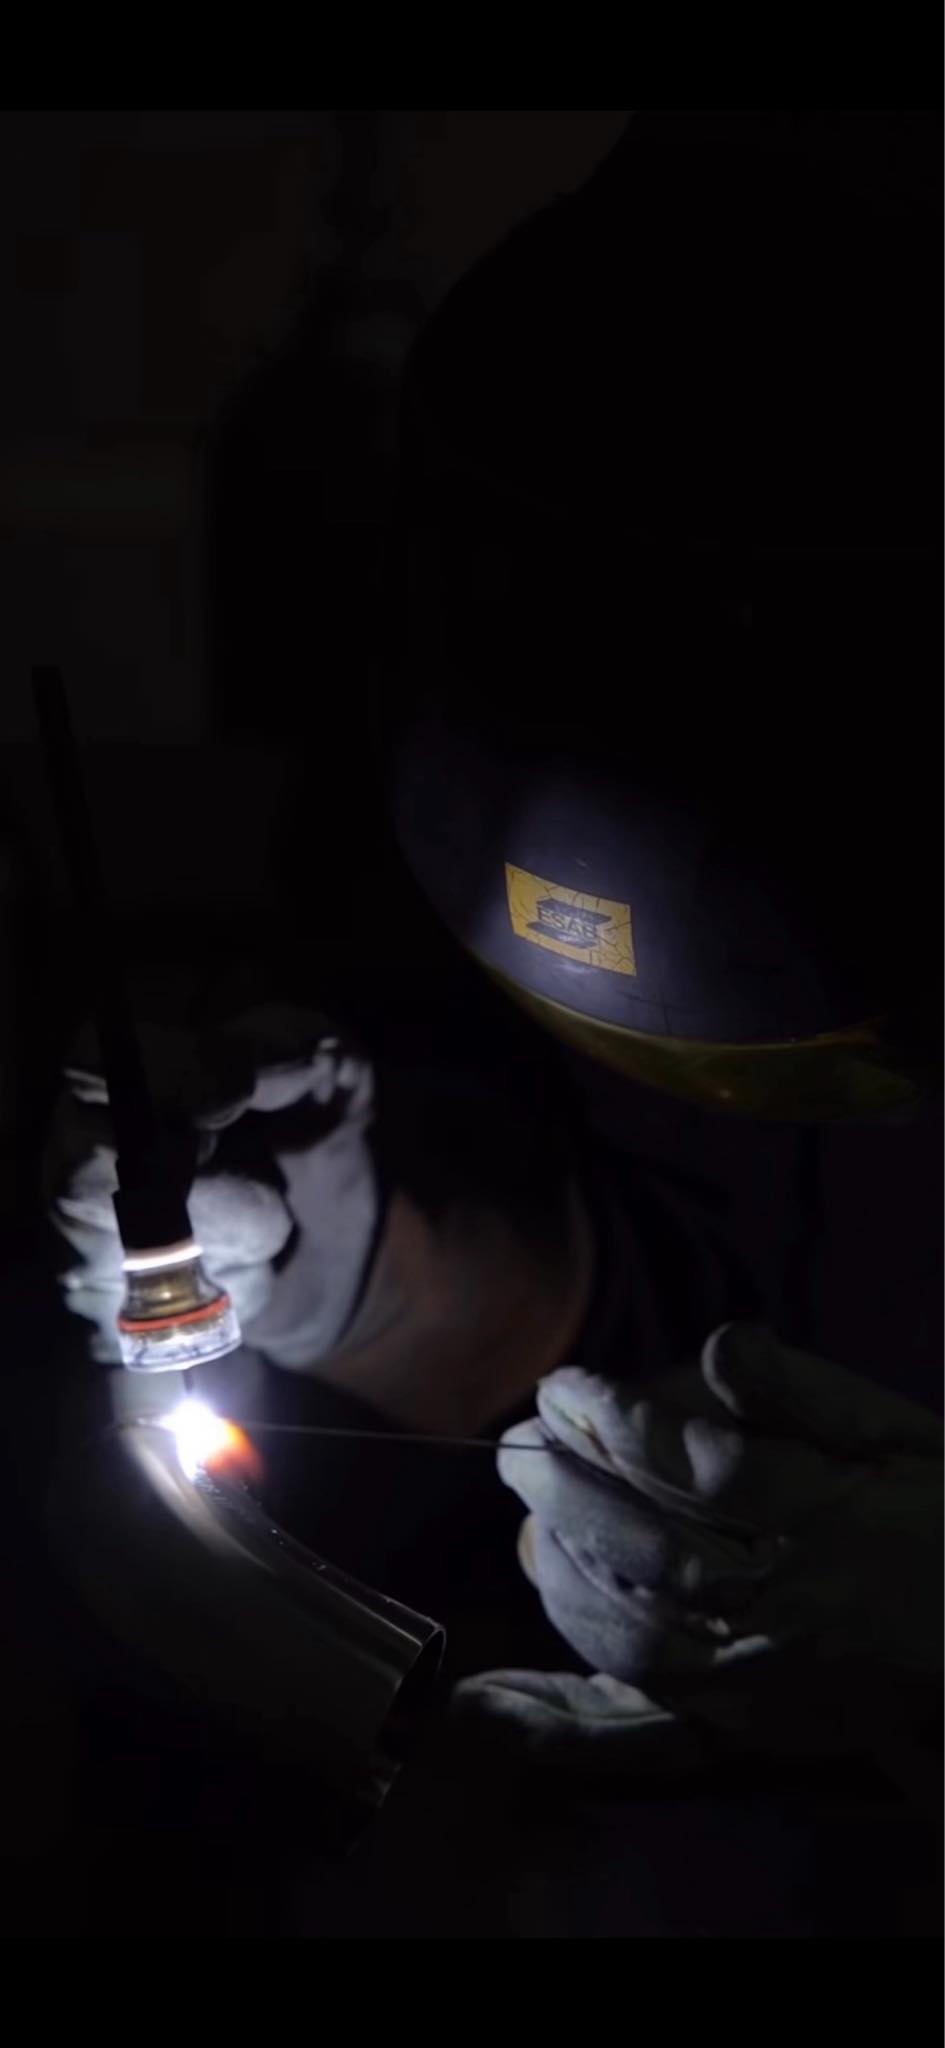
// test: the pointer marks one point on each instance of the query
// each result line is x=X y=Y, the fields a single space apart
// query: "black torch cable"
x=128 y=1092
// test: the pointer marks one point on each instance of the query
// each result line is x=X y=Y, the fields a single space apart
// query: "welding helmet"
x=663 y=756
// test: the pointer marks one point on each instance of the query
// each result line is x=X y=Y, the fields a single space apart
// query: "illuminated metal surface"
x=187 y=1569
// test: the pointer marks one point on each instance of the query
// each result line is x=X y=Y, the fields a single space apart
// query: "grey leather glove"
x=289 y=1234
x=755 y=1544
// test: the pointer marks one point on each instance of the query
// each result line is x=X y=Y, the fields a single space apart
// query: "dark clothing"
x=830 y=1235
x=834 y=1236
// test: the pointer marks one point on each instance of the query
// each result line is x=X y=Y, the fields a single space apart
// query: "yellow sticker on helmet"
x=592 y=930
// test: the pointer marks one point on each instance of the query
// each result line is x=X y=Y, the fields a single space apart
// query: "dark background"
x=204 y=319
x=204 y=316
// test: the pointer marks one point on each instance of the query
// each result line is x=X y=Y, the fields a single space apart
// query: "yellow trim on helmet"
x=836 y=1074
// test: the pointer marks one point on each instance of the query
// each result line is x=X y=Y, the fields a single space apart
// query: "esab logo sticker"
x=589 y=929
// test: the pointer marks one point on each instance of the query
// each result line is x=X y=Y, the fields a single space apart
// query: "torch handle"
x=129 y=1096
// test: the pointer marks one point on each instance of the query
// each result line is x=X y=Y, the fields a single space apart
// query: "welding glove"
x=750 y=1552
x=442 y=1320
x=284 y=1201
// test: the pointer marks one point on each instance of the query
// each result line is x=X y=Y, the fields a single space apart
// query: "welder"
x=655 y=753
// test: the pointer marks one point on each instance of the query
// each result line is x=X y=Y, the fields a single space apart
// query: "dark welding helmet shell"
x=660 y=760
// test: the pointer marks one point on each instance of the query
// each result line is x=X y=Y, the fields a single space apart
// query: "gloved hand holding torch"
x=282 y=1076
x=440 y=1321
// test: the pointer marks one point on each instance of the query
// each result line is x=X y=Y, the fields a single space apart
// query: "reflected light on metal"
x=184 y=1565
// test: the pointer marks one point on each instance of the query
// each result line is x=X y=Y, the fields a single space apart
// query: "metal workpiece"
x=194 y=1576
